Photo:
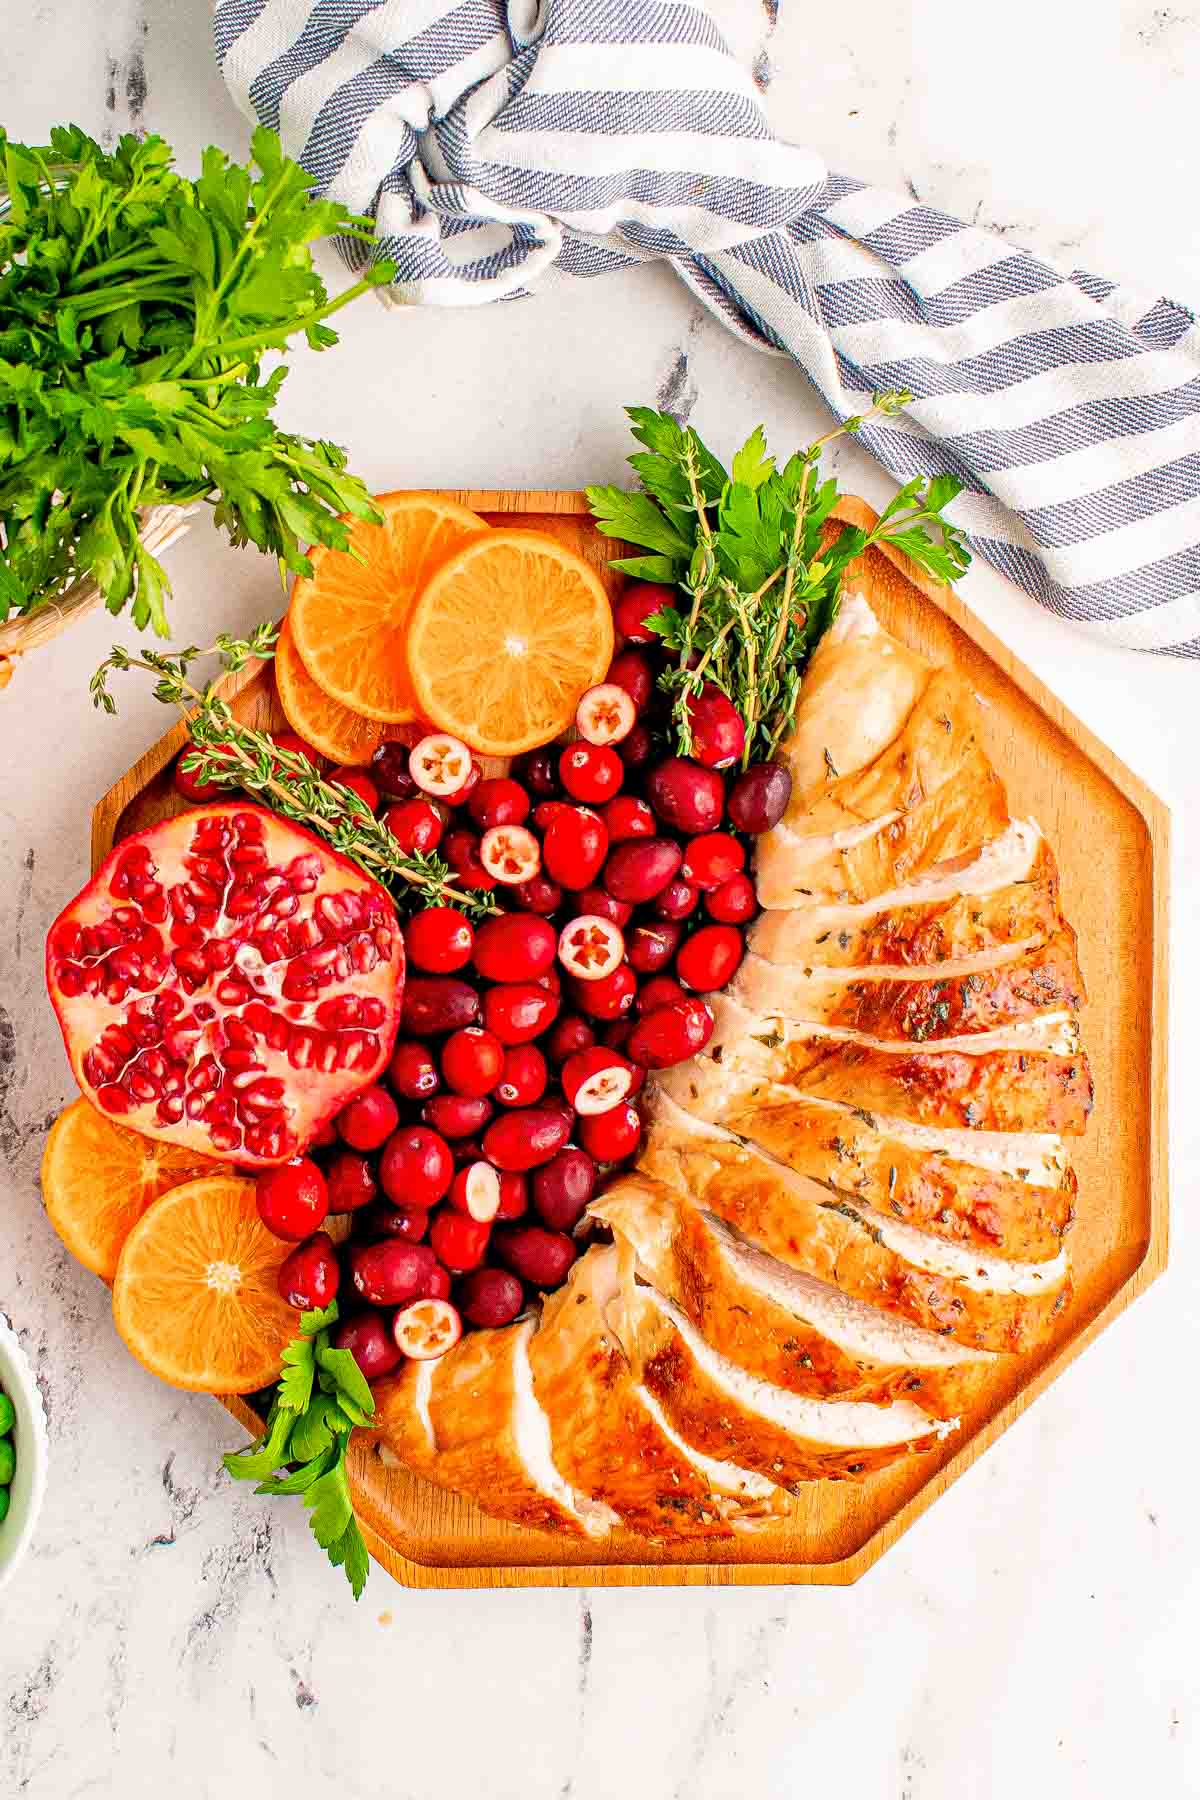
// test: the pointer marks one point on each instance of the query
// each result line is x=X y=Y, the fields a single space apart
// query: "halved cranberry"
x=595 y=1080
x=638 y=870
x=369 y=1342
x=435 y=1003
x=636 y=750
x=514 y=1194
x=416 y=1167
x=710 y=957
x=416 y=825
x=390 y=1273
x=537 y=770
x=759 y=797
x=537 y=895
x=562 y=1188
x=519 y=1011
x=471 y=1061
x=660 y=990
x=358 y=783
x=733 y=902
x=426 y=1327
x=590 y=947
x=439 y=764
x=370 y=1117
x=605 y=715
x=514 y=947
x=650 y=947
x=389 y=772
x=670 y=1034
x=592 y=772
x=491 y=1297
x=462 y=794
x=676 y=901
x=439 y=940
x=686 y=796
x=381 y=1220
x=498 y=801
x=612 y=1136
x=570 y=1033
x=538 y=1256
x=523 y=1077
x=609 y=997
x=595 y=900
x=574 y=846
x=475 y=1191
x=308 y=1278
x=628 y=817
x=292 y=1199
x=718 y=731
x=511 y=854
x=350 y=1182
x=458 y=1241
x=635 y=606
x=635 y=673
x=521 y=1140
x=462 y=851
x=711 y=859
x=457 y=1115
x=412 y=1071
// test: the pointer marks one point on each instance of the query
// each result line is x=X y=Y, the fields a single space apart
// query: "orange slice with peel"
x=349 y=619
x=505 y=639
x=345 y=737
x=196 y=1297
x=98 y=1178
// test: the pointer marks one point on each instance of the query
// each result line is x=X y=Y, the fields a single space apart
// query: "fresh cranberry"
x=370 y=1118
x=188 y=783
x=660 y=990
x=595 y=1079
x=538 y=1256
x=561 y=1188
x=510 y=854
x=390 y=773
x=638 y=870
x=634 y=672
x=358 y=783
x=468 y=1150
x=435 y=1003
x=438 y=940
x=491 y=1297
x=350 y=1182
x=605 y=715
x=514 y=1194
x=712 y=858
x=549 y=979
x=416 y=825
x=457 y=1115
x=381 y=1220
x=628 y=817
x=461 y=851
x=546 y=811
x=570 y=1033
x=498 y=801
x=615 y=1034
x=651 y=946
x=590 y=947
x=636 y=750
x=733 y=902
x=670 y=1034
x=611 y=1136
x=437 y=1284
x=591 y=772
x=369 y=1342
x=635 y=606
x=718 y=733
x=537 y=895
x=607 y=998
x=416 y=1167
x=412 y=1071
x=308 y=1278
x=710 y=957
x=595 y=900
x=475 y=1191
x=759 y=797
x=537 y=770
x=325 y=1136
x=292 y=744
x=471 y=1060
x=440 y=764
x=676 y=901
x=521 y=1140
x=514 y=947
x=523 y=1077
x=458 y=1241
x=574 y=846
x=389 y=1273
x=686 y=796
x=462 y=794
x=519 y=1011
x=292 y=1199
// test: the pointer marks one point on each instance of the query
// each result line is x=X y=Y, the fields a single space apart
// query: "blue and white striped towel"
x=499 y=146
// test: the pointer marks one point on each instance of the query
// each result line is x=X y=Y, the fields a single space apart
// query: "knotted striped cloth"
x=501 y=146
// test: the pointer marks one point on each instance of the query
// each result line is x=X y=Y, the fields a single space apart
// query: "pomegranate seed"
x=718 y=733
x=733 y=902
x=416 y=1167
x=595 y=1080
x=408 y=1222
x=628 y=817
x=605 y=715
x=538 y=895
x=608 y=997
x=369 y=1342
x=440 y=764
x=670 y=1034
x=308 y=1278
x=710 y=957
x=519 y=1011
x=514 y=947
x=711 y=859
x=491 y=1297
x=413 y=1072
x=538 y=1256
x=389 y=772
x=574 y=845
x=686 y=796
x=650 y=947
x=292 y=1199
x=759 y=797
x=475 y=1191
x=595 y=900
x=370 y=1117
x=498 y=801
x=592 y=772
x=458 y=1241
x=636 y=750
x=349 y=1182
x=471 y=1061
x=514 y=1194
x=358 y=783
x=439 y=940
x=416 y=825
x=537 y=770
x=676 y=901
x=562 y=1188
x=638 y=870
x=590 y=947
x=188 y=783
x=426 y=1328
x=570 y=1033
x=457 y=1116
x=524 y=1076
x=510 y=853
x=390 y=1273
x=462 y=851
x=634 y=672
x=434 y=1003
x=521 y=1140
x=660 y=990
x=612 y=1136
x=636 y=605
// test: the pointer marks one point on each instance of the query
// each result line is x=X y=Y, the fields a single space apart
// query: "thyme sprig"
x=232 y=755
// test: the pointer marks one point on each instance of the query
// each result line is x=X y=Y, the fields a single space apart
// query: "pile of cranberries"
x=621 y=875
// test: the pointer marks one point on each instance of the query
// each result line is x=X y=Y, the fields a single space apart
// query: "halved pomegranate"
x=228 y=982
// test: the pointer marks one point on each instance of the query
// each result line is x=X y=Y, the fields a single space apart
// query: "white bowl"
x=29 y=1441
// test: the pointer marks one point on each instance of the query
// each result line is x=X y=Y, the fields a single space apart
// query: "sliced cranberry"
x=514 y=1194
x=634 y=672
x=595 y=900
x=733 y=902
x=670 y=1034
x=412 y=1071
x=308 y=1278
x=390 y=1273
x=676 y=901
x=718 y=732
x=592 y=772
x=519 y=1011
x=514 y=947
x=537 y=770
x=636 y=750
x=292 y=1199
x=638 y=870
x=711 y=859
x=458 y=1241
x=440 y=764
x=457 y=1116
x=538 y=1256
x=569 y=1034
x=605 y=715
x=350 y=1183
x=471 y=1061
x=635 y=606
x=381 y=1220
x=660 y=990
x=521 y=1140
x=369 y=1342
x=650 y=947
x=370 y=1118
x=537 y=895
x=498 y=801
x=491 y=1297
x=612 y=1136
x=524 y=1076
x=710 y=957
x=416 y=825
x=439 y=940
x=686 y=796
x=462 y=851
x=628 y=817
x=358 y=783
x=590 y=947
x=426 y=1327
x=759 y=797
x=609 y=997
x=562 y=1188
x=475 y=1191
x=595 y=1080
x=435 y=1003
x=574 y=846
x=416 y=1167
x=462 y=794
x=511 y=854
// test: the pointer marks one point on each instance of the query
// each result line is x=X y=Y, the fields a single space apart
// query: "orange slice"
x=98 y=1178
x=506 y=638
x=349 y=620
x=344 y=736
x=195 y=1295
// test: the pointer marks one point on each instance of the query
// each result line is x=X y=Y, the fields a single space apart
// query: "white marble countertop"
x=1036 y=1630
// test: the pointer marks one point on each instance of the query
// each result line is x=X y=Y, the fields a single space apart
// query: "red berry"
x=609 y=997
x=537 y=770
x=462 y=794
x=511 y=854
x=628 y=817
x=521 y=1140
x=514 y=947
x=389 y=771
x=574 y=846
x=441 y=765
x=718 y=733
x=294 y=745
x=491 y=1297
x=468 y=1150
x=605 y=715
x=325 y=1137
x=733 y=902
x=416 y=1167
x=650 y=947
x=498 y=801
x=676 y=901
x=434 y=1003
x=635 y=606
x=292 y=1199
x=514 y=1194
x=686 y=796
x=389 y=1273
x=370 y=1118
x=562 y=1188
x=458 y=1241
x=550 y=980
x=710 y=957
x=539 y=1257
x=537 y=895
x=595 y=1080
x=759 y=797
x=595 y=900
x=369 y=1342
x=407 y=1222
x=590 y=947
x=475 y=1191
x=711 y=859
x=308 y=1278
x=358 y=783
x=438 y=940
x=591 y=772
x=461 y=850
x=415 y=825
x=524 y=1076
x=638 y=870
x=471 y=1061
x=456 y=1116
x=571 y=1033
x=349 y=1182
x=426 y=1327
x=635 y=673
x=636 y=750
x=670 y=1034
x=437 y=1283
x=660 y=990
x=188 y=783
x=412 y=1071
x=611 y=1136
x=519 y=1011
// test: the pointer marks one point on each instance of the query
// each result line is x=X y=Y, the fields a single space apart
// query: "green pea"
x=8 y=1461
x=4 y=1497
x=7 y=1415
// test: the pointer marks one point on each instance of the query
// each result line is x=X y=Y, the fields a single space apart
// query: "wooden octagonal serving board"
x=1110 y=836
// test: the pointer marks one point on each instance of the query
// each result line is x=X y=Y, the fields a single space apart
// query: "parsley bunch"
x=135 y=310
x=321 y=1396
x=745 y=547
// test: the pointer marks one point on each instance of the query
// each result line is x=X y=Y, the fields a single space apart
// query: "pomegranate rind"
x=304 y=1006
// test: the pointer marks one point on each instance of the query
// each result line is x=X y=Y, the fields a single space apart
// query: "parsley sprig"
x=320 y=1397
x=135 y=310
x=233 y=755
x=745 y=547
